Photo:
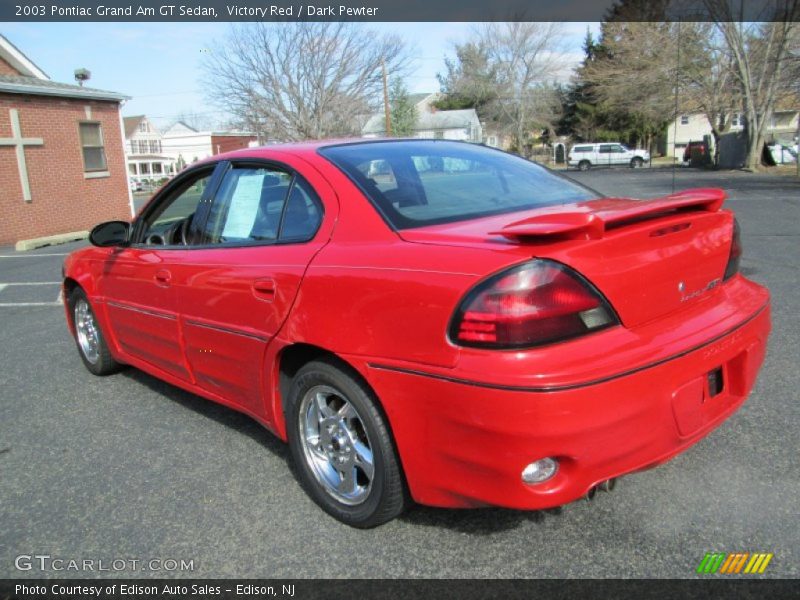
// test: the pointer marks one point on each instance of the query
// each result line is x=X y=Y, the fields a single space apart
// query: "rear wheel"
x=341 y=446
x=637 y=162
x=584 y=165
x=91 y=344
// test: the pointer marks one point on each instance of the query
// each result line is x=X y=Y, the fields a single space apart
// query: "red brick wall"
x=226 y=143
x=7 y=69
x=62 y=199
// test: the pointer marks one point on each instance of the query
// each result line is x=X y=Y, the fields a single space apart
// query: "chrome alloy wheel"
x=86 y=328
x=336 y=445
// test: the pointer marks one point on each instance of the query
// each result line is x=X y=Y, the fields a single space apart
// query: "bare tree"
x=302 y=80
x=709 y=85
x=524 y=58
x=632 y=76
x=759 y=54
x=196 y=120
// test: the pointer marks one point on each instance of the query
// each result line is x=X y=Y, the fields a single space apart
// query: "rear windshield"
x=413 y=184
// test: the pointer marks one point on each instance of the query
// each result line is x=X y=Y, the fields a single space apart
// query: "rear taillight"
x=535 y=303
x=735 y=256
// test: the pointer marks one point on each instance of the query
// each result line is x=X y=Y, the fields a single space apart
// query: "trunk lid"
x=648 y=257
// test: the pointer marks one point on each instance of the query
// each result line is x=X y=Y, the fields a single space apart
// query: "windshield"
x=429 y=182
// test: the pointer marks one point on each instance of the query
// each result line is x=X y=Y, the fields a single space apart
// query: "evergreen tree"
x=403 y=112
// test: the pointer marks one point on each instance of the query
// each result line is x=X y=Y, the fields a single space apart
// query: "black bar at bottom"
x=362 y=589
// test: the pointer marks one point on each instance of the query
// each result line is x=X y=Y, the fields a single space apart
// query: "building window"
x=94 y=153
x=133 y=147
x=157 y=169
x=684 y=119
x=735 y=120
x=142 y=145
x=155 y=146
x=144 y=168
x=143 y=127
x=492 y=141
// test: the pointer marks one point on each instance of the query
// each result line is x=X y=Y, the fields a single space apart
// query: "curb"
x=50 y=240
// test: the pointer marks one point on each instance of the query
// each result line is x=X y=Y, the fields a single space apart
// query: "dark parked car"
x=696 y=152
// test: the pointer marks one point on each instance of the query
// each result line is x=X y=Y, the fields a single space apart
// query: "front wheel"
x=637 y=162
x=91 y=343
x=341 y=446
x=584 y=165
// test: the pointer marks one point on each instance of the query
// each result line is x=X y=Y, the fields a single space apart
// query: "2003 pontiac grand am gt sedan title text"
x=430 y=321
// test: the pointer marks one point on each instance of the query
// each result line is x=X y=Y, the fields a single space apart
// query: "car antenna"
x=677 y=87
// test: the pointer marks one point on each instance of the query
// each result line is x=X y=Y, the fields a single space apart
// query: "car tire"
x=584 y=165
x=341 y=446
x=637 y=162
x=90 y=340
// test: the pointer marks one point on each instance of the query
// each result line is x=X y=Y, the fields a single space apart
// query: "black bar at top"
x=389 y=10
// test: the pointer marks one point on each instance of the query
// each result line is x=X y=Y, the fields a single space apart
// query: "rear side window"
x=413 y=184
x=262 y=205
x=583 y=149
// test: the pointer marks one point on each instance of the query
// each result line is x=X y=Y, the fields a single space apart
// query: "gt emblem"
x=710 y=286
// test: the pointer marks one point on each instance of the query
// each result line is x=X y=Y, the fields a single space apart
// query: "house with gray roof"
x=461 y=125
x=146 y=159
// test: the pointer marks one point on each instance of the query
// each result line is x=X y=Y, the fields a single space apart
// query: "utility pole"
x=386 y=111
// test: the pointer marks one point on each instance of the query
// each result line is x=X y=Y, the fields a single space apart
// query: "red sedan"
x=428 y=320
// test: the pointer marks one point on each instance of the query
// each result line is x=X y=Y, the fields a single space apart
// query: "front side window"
x=442 y=182
x=94 y=152
x=170 y=222
x=262 y=205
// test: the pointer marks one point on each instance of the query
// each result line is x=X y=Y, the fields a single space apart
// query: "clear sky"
x=158 y=64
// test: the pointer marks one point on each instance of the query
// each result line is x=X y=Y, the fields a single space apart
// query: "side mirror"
x=110 y=233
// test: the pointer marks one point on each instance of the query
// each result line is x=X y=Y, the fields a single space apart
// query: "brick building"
x=62 y=159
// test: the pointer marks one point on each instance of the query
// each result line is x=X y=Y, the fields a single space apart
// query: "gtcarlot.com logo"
x=734 y=563
x=45 y=562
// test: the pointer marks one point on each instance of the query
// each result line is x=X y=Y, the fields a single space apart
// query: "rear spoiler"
x=590 y=220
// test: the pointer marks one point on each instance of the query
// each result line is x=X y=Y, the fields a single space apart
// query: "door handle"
x=163 y=277
x=264 y=289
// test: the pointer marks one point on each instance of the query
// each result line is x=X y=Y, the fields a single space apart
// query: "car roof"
x=306 y=148
x=595 y=143
x=309 y=149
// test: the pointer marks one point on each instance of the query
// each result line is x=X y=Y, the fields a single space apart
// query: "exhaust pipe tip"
x=608 y=485
x=605 y=486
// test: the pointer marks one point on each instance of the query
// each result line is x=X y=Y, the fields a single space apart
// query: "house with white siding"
x=144 y=151
x=461 y=125
x=694 y=127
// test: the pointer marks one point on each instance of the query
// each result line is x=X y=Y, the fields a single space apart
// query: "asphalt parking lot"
x=128 y=467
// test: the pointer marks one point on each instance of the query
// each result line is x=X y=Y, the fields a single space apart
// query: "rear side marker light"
x=735 y=256
x=532 y=304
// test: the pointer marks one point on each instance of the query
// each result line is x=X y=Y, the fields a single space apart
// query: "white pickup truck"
x=586 y=156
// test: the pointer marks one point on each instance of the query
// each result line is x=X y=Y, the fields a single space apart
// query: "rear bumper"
x=464 y=443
